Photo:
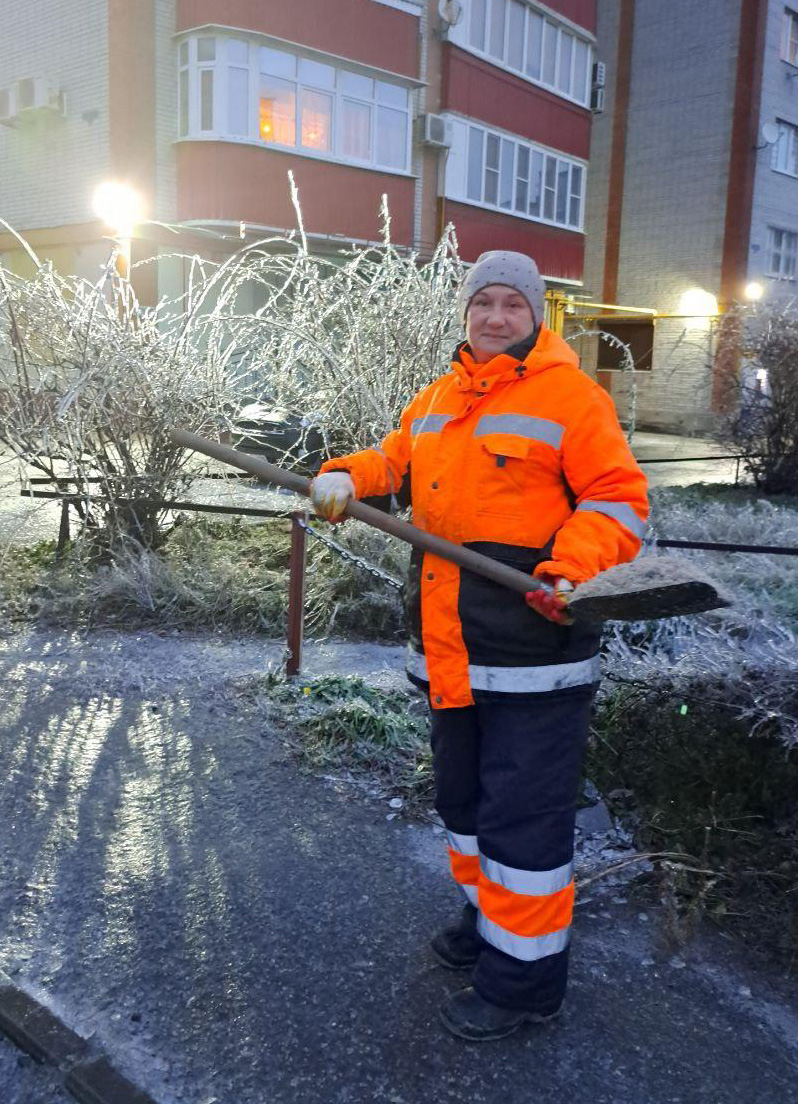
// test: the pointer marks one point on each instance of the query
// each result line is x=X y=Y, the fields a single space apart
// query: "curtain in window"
x=355 y=132
x=277 y=111
x=316 y=124
x=391 y=138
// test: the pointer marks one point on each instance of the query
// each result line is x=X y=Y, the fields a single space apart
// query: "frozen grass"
x=341 y=723
x=227 y=577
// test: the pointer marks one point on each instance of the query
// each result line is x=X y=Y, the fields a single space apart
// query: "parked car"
x=288 y=440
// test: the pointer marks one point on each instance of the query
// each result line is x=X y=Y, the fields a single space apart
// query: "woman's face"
x=498 y=317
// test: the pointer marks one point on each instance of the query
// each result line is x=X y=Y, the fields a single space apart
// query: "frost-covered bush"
x=342 y=342
x=747 y=656
x=90 y=383
x=764 y=422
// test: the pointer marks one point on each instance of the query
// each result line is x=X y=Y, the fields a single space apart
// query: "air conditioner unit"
x=37 y=94
x=599 y=74
x=7 y=105
x=597 y=101
x=434 y=130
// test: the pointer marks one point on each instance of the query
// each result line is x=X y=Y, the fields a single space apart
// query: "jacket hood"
x=544 y=349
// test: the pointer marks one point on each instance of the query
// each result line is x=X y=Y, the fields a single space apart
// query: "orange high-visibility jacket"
x=523 y=459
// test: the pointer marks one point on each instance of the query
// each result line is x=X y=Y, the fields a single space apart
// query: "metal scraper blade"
x=649 y=587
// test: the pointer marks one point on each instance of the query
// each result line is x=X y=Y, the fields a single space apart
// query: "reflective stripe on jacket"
x=523 y=459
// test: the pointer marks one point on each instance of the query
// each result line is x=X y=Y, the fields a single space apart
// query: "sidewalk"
x=649 y=446
x=239 y=932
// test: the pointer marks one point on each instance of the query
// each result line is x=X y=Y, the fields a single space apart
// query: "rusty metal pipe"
x=428 y=542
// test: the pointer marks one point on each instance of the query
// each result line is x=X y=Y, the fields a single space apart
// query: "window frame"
x=462 y=37
x=788 y=131
x=470 y=134
x=221 y=105
x=789 y=35
x=789 y=237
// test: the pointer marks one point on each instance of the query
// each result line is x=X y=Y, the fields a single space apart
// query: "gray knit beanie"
x=514 y=270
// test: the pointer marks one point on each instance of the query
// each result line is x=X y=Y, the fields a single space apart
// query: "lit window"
x=789 y=36
x=277 y=111
x=291 y=101
x=316 y=124
x=782 y=252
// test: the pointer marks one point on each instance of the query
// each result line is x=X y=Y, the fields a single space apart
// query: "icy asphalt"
x=232 y=930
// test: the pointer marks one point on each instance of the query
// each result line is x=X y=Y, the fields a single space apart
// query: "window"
x=525 y=40
x=475 y=163
x=514 y=176
x=785 y=151
x=238 y=87
x=638 y=334
x=277 y=111
x=239 y=90
x=782 y=252
x=789 y=36
x=206 y=53
x=183 y=124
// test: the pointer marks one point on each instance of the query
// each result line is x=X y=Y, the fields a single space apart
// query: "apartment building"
x=470 y=111
x=693 y=205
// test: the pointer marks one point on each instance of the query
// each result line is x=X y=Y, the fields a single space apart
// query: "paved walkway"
x=238 y=932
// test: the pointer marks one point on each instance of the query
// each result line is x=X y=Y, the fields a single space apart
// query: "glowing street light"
x=697 y=303
x=121 y=208
x=754 y=291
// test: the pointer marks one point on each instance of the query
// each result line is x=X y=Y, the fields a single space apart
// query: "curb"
x=91 y=1079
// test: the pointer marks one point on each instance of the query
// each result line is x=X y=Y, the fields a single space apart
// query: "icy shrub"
x=89 y=385
x=764 y=425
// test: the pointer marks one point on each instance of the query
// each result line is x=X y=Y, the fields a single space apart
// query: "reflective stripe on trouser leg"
x=526 y=914
x=530 y=761
x=464 y=861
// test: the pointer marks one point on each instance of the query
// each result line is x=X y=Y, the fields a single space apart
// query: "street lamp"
x=120 y=207
x=697 y=303
x=754 y=291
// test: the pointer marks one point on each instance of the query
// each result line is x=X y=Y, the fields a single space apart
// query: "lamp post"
x=121 y=208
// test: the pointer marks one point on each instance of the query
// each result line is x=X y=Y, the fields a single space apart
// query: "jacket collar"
x=541 y=350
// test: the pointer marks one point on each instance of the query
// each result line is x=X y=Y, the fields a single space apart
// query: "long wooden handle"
x=428 y=542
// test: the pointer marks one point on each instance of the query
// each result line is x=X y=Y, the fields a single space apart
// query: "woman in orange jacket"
x=519 y=455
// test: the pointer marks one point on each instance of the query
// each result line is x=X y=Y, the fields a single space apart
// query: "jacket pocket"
x=504 y=476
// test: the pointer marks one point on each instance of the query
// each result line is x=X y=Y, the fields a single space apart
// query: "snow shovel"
x=642 y=590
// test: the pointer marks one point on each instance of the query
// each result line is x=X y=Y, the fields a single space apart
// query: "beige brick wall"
x=678 y=143
x=50 y=166
x=165 y=111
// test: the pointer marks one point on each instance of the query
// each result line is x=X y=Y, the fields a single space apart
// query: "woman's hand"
x=551 y=600
x=330 y=493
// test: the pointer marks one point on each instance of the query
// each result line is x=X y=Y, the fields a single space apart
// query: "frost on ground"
x=746 y=656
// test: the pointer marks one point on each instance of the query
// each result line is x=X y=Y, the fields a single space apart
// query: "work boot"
x=458 y=947
x=470 y=1016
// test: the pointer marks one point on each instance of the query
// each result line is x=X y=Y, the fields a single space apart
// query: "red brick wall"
x=476 y=88
x=558 y=252
x=359 y=29
x=222 y=180
x=582 y=12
